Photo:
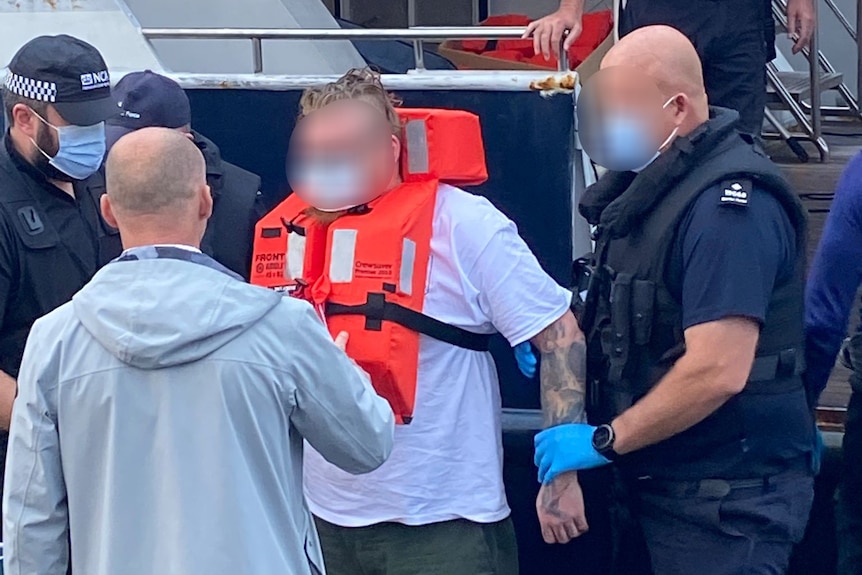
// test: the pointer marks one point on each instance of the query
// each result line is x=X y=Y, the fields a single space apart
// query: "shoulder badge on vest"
x=734 y=192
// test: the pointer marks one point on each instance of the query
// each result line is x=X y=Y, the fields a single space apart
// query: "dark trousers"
x=731 y=40
x=848 y=516
x=457 y=547
x=717 y=527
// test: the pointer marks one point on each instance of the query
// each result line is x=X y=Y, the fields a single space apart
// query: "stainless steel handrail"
x=418 y=33
x=842 y=19
x=814 y=79
x=415 y=35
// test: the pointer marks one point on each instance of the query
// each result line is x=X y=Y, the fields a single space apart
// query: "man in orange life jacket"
x=419 y=273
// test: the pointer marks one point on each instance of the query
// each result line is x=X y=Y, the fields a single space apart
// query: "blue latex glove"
x=564 y=448
x=819 y=450
x=526 y=359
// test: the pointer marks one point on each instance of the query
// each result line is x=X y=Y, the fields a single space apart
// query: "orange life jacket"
x=366 y=272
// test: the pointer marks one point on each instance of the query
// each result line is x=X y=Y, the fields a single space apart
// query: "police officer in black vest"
x=152 y=100
x=56 y=97
x=693 y=321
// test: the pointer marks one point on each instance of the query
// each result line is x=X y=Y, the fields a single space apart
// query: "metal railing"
x=417 y=36
x=853 y=32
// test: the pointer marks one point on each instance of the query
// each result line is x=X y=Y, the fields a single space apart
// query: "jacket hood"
x=156 y=313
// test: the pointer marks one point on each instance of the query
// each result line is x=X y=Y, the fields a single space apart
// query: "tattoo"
x=550 y=500
x=563 y=372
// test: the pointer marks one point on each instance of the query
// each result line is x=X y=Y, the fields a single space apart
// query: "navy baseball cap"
x=67 y=73
x=147 y=100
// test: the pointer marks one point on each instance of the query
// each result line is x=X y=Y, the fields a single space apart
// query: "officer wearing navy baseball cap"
x=150 y=100
x=56 y=98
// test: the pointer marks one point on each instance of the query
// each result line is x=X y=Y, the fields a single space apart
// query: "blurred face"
x=625 y=120
x=342 y=156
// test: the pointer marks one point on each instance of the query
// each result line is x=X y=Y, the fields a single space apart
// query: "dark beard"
x=41 y=163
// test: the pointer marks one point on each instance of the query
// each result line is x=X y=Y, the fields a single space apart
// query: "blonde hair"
x=358 y=84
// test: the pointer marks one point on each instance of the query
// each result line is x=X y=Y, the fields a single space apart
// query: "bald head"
x=648 y=91
x=156 y=188
x=666 y=56
x=153 y=170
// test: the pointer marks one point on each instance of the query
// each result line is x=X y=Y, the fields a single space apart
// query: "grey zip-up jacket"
x=159 y=428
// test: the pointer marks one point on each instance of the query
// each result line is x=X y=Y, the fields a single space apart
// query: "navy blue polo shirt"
x=725 y=262
x=728 y=256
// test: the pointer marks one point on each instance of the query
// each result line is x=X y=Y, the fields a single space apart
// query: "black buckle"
x=373 y=311
x=786 y=367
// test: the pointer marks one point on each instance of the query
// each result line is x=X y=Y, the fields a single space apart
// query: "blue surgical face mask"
x=627 y=142
x=330 y=186
x=81 y=149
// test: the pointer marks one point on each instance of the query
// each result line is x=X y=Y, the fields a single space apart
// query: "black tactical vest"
x=634 y=323
x=229 y=235
x=49 y=272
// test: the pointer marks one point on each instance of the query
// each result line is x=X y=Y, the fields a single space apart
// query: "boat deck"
x=816 y=183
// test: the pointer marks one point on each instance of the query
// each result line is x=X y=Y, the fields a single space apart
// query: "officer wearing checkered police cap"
x=67 y=73
x=57 y=96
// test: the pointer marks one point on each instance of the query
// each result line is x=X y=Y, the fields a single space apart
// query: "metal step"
x=798 y=85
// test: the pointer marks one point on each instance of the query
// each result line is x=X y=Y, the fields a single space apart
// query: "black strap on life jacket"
x=377 y=310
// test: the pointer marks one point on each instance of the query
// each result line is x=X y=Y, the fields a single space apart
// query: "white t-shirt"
x=448 y=462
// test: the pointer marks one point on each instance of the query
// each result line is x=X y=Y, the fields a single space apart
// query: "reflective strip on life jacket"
x=295 y=256
x=408 y=262
x=342 y=255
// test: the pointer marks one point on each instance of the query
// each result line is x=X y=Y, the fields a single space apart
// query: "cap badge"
x=94 y=80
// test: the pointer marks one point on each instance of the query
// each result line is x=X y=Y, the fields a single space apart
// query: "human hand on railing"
x=800 y=23
x=548 y=32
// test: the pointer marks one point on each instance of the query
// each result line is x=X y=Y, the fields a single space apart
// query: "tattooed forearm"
x=549 y=499
x=563 y=371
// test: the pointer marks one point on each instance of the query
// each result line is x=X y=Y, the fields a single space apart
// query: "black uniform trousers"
x=732 y=41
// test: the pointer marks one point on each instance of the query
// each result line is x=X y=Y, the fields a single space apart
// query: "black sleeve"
x=8 y=266
x=733 y=245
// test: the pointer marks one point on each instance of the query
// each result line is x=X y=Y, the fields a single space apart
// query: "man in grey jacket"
x=161 y=414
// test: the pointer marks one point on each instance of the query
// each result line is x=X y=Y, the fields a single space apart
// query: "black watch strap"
x=603 y=441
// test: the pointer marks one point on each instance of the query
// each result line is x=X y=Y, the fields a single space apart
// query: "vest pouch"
x=582 y=272
x=596 y=393
x=595 y=320
x=643 y=302
x=616 y=338
x=32 y=226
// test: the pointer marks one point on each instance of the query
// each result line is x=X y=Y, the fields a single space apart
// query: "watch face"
x=602 y=437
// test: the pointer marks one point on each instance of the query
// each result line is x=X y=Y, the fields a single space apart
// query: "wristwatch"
x=603 y=441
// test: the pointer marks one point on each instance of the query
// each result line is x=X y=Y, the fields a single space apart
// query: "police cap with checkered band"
x=67 y=73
